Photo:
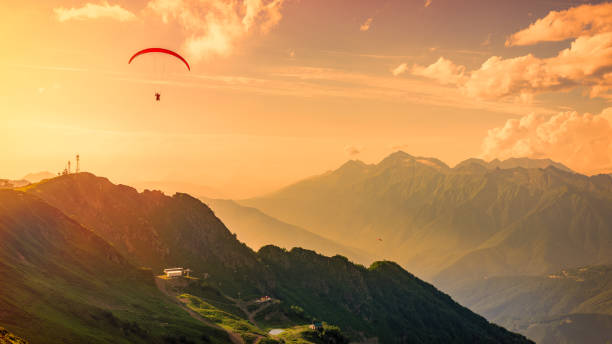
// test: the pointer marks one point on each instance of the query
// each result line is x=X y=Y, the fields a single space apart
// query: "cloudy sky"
x=284 y=89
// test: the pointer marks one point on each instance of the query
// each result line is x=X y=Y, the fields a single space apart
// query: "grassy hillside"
x=257 y=229
x=61 y=283
x=244 y=317
x=383 y=301
x=155 y=230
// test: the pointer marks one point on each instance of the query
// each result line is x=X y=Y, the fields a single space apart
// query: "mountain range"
x=463 y=227
x=71 y=246
x=453 y=224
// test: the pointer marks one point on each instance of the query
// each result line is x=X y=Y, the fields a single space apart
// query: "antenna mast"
x=77 y=164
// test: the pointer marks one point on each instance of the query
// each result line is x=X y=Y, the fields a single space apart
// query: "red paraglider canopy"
x=160 y=50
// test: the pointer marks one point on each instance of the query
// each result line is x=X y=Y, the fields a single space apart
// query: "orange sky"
x=280 y=90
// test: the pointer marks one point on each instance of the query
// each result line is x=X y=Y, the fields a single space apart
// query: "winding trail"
x=244 y=307
x=161 y=285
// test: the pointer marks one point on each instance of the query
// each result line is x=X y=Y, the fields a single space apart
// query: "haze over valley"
x=306 y=172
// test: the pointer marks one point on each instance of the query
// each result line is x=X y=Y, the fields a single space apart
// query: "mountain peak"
x=527 y=163
x=38 y=176
x=532 y=163
x=350 y=169
x=353 y=164
x=400 y=157
x=472 y=165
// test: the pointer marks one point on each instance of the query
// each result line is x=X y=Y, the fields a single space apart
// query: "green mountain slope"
x=383 y=301
x=257 y=229
x=151 y=228
x=61 y=283
x=155 y=230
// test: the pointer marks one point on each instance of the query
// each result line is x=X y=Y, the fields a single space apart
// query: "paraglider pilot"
x=157 y=96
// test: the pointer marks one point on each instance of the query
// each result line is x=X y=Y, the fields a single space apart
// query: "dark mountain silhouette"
x=155 y=230
x=172 y=187
x=383 y=300
x=62 y=283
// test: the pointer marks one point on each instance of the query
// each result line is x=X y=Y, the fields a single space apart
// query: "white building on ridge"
x=177 y=272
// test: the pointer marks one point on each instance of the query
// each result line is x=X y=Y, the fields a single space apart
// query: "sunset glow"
x=280 y=90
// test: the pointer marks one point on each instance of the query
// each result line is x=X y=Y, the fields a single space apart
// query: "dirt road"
x=161 y=285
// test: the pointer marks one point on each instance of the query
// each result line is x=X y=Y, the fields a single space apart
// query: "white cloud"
x=585 y=20
x=366 y=25
x=214 y=27
x=581 y=141
x=94 y=11
x=586 y=63
x=401 y=69
x=443 y=70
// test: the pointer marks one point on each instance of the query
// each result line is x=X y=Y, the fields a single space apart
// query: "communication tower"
x=77 y=164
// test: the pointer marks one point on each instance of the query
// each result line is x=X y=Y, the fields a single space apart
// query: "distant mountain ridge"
x=257 y=229
x=9 y=184
x=440 y=221
x=38 y=176
x=514 y=163
x=550 y=309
